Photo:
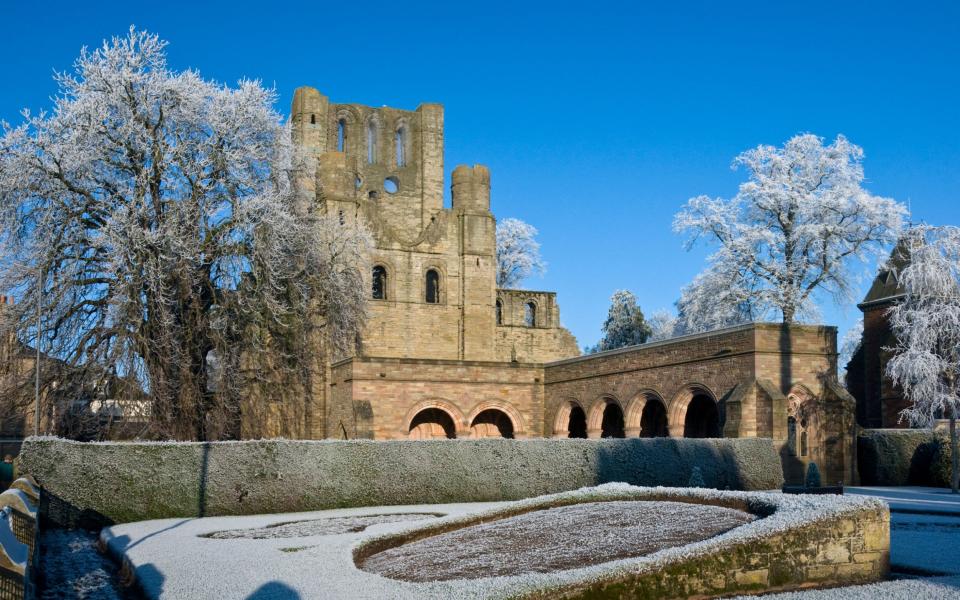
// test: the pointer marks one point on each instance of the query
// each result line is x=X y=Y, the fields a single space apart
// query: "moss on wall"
x=98 y=483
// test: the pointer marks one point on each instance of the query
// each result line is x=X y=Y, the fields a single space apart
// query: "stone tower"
x=432 y=273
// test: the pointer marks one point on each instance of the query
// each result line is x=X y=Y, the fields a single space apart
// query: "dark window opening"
x=653 y=420
x=499 y=313
x=379 y=283
x=313 y=119
x=492 y=423
x=577 y=424
x=703 y=418
x=432 y=423
x=612 y=424
x=792 y=435
x=433 y=287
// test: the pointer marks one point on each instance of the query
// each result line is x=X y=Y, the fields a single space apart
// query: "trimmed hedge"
x=92 y=484
x=904 y=457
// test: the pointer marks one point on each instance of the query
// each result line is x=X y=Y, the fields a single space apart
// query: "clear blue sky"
x=598 y=121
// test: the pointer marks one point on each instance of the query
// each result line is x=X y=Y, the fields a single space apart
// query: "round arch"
x=516 y=421
x=456 y=416
x=646 y=407
x=698 y=402
x=606 y=418
x=570 y=420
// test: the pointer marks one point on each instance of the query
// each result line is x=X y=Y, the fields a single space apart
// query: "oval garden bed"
x=555 y=539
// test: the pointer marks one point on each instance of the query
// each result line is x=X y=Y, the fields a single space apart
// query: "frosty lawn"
x=797 y=539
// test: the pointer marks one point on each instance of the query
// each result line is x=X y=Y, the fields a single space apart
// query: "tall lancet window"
x=342 y=135
x=372 y=141
x=401 y=145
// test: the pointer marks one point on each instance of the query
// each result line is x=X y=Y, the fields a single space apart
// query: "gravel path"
x=555 y=539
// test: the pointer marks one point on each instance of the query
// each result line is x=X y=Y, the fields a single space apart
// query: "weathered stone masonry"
x=446 y=354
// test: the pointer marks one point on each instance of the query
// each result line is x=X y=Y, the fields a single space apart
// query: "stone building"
x=879 y=401
x=447 y=354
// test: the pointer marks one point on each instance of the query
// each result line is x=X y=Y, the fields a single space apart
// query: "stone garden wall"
x=91 y=484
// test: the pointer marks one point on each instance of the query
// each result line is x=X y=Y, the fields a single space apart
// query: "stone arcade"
x=447 y=354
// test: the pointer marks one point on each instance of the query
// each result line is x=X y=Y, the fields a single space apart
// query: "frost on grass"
x=72 y=567
x=555 y=539
x=332 y=526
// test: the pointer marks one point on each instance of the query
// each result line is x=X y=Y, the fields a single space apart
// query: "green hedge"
x=904 y=457
x=91 y=484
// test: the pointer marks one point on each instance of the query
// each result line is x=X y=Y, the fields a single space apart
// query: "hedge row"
x=91 y=484
x=893 y=457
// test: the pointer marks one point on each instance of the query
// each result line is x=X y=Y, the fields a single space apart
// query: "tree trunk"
x=954 y=455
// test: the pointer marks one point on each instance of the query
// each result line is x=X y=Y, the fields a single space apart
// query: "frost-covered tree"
x=152 y=216
x=926 y=325
x=715 y=298
x=848 y=346
x=797 y=226
x=518 y=253
x=625 y=324
x=662 y=323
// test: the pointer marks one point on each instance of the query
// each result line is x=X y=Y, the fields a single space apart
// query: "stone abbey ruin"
x=446 y=354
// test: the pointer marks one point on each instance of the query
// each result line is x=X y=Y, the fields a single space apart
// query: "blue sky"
x=597 y=120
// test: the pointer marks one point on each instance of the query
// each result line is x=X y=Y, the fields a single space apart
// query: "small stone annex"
x=447 y=354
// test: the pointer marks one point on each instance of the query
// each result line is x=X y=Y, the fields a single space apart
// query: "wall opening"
x=792 y=435
x=342 y=135
x=372 y=142
x=702 y=419
x=653 y=420
x=313 y=119
x=391 y=185
x=499 y=312
x=432 y=423
x=577 y=423
x=401 y=145
x=379 y=283
x=530 y=314
x=612 y=424
x=433 y=287
x=492 y=423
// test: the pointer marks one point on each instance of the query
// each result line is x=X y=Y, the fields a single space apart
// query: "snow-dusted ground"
x=313 y=527
x=173 y=558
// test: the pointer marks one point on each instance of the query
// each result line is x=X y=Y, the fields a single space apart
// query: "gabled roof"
x=886 y=285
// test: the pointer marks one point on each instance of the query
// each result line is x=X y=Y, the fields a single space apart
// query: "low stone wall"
x=93 y=484
x=799 y=542
x=904 y=457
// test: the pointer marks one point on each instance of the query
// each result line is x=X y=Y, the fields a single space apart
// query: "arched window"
x=530 y=314
x=433 y=287
x=499 y=313
x=792 y=435
x=342 y=135
x=372 y=141
x=401 y=145
x=379 y=283
x=803 y=437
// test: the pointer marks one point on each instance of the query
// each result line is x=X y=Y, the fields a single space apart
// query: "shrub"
x=696 y=478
